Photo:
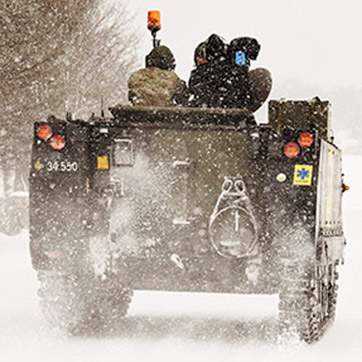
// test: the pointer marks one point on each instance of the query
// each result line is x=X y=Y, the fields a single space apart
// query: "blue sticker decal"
x=240 y=58
x=303 y=175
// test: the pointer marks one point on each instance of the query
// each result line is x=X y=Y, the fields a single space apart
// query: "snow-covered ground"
x=184 y=327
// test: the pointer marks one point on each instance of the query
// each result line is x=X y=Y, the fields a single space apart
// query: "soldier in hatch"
x=214 y=82
x=222 y=77
x=157 y=85
x=240 y=52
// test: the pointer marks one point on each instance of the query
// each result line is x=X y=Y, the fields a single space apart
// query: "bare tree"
x=100 y=56
x=58 y=56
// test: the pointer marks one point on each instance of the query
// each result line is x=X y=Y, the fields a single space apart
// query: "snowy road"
x=184 y=327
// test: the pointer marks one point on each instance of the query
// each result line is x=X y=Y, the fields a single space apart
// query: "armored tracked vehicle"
x=183 y=199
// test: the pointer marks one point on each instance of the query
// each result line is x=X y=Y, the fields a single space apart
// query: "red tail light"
x=291 y=150
x=44 y=132
x=306 y=139
x=57 y=142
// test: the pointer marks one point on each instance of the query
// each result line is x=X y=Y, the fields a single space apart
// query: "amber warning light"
x=154 y=25
x=154 y=21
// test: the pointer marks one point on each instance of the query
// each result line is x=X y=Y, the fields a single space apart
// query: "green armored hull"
x=191 y=200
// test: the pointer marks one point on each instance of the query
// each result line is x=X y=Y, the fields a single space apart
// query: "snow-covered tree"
x=58 y=56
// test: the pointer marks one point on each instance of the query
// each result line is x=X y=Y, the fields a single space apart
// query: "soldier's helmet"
x=162 y=58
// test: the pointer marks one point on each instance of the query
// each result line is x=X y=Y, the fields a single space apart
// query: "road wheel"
x=307 y=302
x=332 y=292
x=83 y=305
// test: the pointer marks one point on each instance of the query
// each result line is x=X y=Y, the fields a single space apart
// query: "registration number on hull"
x=61 y=166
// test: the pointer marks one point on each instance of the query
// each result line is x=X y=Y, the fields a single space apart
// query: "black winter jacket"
x=219 y=84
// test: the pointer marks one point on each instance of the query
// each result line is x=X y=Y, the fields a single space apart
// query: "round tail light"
x=306 y=139
x=44 y=132
x=291 y=150
x=57 y=142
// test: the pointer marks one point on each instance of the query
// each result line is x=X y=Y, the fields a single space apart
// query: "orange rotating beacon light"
x=154 y=25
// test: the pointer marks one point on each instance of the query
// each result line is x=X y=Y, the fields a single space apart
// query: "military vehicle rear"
x=180 y=199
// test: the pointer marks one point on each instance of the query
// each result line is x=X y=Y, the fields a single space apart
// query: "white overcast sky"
x=318 y=42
